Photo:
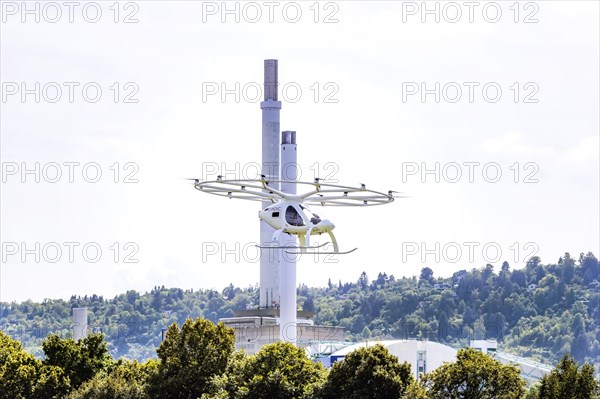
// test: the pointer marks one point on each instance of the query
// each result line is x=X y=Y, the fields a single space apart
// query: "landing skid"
x=320 y=253
x=291 y=247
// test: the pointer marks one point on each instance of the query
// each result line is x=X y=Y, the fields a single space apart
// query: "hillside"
x=541 y=311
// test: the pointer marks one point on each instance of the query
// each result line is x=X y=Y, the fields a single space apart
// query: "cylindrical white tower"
x=269 y=265
x=287 y=262
x=289 y=161
x=80 y=323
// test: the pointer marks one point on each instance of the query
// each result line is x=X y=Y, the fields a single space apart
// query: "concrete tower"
x=287 y=262
x=277 y=318
x=80 y=323
x=269 y=266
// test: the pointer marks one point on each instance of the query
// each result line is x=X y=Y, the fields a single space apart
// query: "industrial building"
x=258 y=327
x=423 y=356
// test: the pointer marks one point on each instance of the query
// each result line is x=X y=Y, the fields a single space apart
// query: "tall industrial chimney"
x=271 y=80
x=80 y=323
x=269 y=265
x=277 y=267
x=287 y=262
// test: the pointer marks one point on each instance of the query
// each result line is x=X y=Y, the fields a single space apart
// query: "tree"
x=426 y=274
x=568 y=381
x=190 y=357
x=127 y=380
x=415 y=391
x=229 y=384
x=474 y=375
x=280 y=371
x=18 y=370
x=24 y=377
x=568 y=272
x=504 y=275
x=533 y=392
x=156 y=299
x=358 y=324
x=79 y=360
x=309 y=304
x=363 y=281
x=52 y=383
x=590 y=268
x=382 y=279
x=488 y=272
x=442 y=331
x=519 y=277
x=579 y=346
x=366 y=373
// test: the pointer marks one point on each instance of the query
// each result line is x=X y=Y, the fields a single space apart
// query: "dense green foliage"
x=22 y=376
x=568 y=381
x=198 y=361
x=368 y=373
x=474 y=375
x=540 y=312
x=278 y=371
x=80 y=360
x=126 y=380
x=190 y=358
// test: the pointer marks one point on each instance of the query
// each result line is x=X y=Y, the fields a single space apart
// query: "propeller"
x=392 y=193
x=320 y=180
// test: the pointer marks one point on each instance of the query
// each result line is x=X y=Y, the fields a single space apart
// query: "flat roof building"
x=423 y=356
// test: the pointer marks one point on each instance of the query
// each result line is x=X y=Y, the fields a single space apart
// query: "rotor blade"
x=240 y=196
x=246 y=183
x=321 y=253
x=265 y=186
x=291 y=247
x=350 y=198
x=402 y=195
x=240 y=189
x=326 y=187
x=336 y=190
x=233 y=196
x=212 y=189
x=341 y=203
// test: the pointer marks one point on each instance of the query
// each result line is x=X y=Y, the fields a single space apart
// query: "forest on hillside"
x=541 y=311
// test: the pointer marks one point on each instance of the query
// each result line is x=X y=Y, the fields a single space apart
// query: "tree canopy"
x=280 y=371
x=569 y=381
x=474 y=375
x=198 y=361
x=368 y=373
x=190 y=357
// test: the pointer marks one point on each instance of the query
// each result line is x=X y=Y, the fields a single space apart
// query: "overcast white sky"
x=372 y=58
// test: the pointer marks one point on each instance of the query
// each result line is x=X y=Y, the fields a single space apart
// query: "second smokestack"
x=271 y=79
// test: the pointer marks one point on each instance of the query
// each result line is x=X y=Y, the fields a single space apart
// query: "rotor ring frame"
x=323 y=194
